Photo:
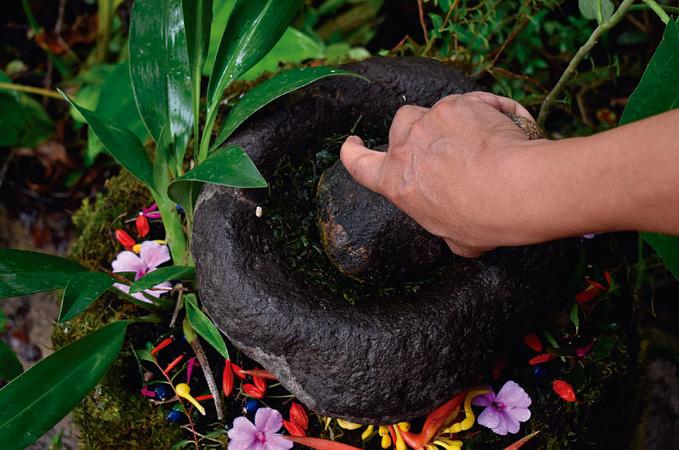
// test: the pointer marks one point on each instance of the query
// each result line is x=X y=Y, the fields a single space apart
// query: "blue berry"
x=175 y=416
x=251 y=406
x=539 y=371
x=163 y=392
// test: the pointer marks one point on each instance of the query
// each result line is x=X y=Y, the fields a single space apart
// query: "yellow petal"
x=400 y=443
x=184 y=391
x=367 y=432
x=136 y=248
x=404 y=426
x=386 y=441
x=469 y=418
x=348 y=425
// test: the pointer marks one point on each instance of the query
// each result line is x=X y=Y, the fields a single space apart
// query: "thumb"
x=362 y=163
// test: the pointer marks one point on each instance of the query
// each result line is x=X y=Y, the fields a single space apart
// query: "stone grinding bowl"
x=376 y=361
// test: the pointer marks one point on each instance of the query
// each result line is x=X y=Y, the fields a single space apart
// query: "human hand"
x=448 y=167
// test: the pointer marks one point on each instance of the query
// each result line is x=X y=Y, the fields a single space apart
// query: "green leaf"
x=197 y=22
x=159 y=69
x=603 y=347
x=10 y=367
x=161 y=275
x=270 y=90
x=23 y=272
x=23 y=121
x=575 y=317
x=81 y=291
x=228 y=166
x=254 y=27
x=657 y=92
x=116 y=101
x=601 y=10
x=44 y=394
x=144 y=355
x=204 y=326
x=120 y=143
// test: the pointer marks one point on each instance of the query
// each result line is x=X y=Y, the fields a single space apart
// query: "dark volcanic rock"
x=366 y=236
x=377 y=361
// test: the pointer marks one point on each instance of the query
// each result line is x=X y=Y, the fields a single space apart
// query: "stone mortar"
x=376 y=361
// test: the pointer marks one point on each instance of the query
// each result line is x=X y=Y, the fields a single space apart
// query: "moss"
x=112 y=415
x=95 y=223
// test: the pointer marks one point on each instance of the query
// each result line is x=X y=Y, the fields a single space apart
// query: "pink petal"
x=128 y=262
x=484 y=399
x=501 y=428
x=126 y=289
x=243 y=430
x=242 y=445
x=512 y=394
x=512 y=424
x=153 y=254
x=277 y=442
x=268 y=420
x=157 y=293
x=520 y=414
x=489 y=418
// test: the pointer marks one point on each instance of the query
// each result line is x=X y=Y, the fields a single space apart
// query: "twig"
x=658 y=10
x=178 y=305
x=207 y=371
x=420 y=9
x=579 y=56
x=30 y=90
x=670 y=9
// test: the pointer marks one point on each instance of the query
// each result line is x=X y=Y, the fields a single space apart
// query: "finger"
x=362 y=163
x=461 y=250
x=502 y=104
x=403 y=121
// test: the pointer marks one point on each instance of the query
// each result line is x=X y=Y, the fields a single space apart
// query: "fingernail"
x=355 y=140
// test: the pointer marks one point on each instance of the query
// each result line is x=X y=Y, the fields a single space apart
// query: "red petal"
x=298 y=415
x=543 y=358
x=320 y=444
x=227 y=379
x=586 y=295
x=125 y=239
x=564 y=390
x=142 y=224
x=533 y=342
x=294 y=429
x=238 y=371
x=607 y=276
x=260 y=383
x=253 y=391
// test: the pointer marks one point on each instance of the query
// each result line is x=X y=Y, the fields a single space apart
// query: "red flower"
x=564 y=390
x=533 y=342
x=543 y=358
x=142 y=224
x=253 y=391
x=260 y=383
x=125 y=239
x=299 y=416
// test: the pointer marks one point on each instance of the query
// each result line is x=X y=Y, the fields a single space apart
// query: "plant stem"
x=207 y=372
x=174 y=231
x=669 y=9
x=31 y=90
x=207 y=133
x=658 y=10
x=581 y=53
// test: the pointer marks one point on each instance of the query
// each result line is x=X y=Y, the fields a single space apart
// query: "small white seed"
x=259 y=211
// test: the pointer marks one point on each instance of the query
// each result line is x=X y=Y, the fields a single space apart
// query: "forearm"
x=622 y=179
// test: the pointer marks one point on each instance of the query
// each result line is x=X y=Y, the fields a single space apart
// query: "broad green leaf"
x=221 y=10
x=23 y=272
x=23 y=121
x=204 y=326
x=44 y=394
x=601 y=10
x=3 y=322
x=161 y=275
x=159 y=69
x=229 y=166
x=254 y=27
x=144 y=355
x=10 y=367
x=657 y=92
x=90 y=82
x=197 y=22
x=268 y=91
x=116 y=102
x=120 y=143
x=82 y=290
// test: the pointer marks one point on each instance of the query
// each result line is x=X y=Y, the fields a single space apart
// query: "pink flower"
x=261 y=435
x=505 y=410
x=151 y=255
